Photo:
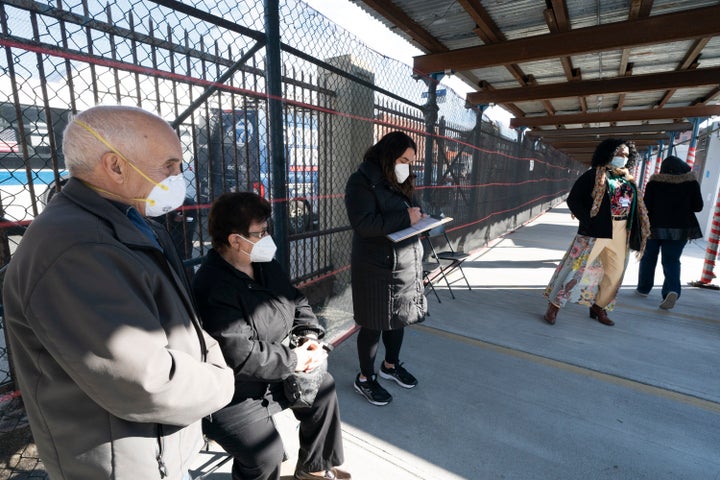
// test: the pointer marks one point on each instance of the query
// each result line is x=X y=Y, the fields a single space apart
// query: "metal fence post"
x=430 y=112
x=475 y=172
x=276 y=122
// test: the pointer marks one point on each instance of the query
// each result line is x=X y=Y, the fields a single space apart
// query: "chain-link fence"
x=289 y=120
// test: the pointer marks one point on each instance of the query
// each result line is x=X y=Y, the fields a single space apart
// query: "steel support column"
x=278 y=181
x=690 y=160
x=430 y=112
x=475 y=172
x=661 y=145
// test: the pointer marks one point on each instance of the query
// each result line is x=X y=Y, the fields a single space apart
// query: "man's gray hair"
x=82 y=151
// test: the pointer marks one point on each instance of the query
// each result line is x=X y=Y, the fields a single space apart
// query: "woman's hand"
x=415 y=215
x=309 y=356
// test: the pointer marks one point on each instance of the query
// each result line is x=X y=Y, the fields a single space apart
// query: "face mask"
x=402 y=172
x=618 y=162
x=263 y=250
x=165 y=196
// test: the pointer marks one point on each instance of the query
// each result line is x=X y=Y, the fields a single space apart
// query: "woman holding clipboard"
x=387 y=286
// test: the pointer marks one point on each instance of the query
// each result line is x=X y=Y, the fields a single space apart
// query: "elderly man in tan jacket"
x=113 y=366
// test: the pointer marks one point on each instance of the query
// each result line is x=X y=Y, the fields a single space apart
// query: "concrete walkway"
x=504 y=395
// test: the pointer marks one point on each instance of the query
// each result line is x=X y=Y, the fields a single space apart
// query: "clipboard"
x=425 y=224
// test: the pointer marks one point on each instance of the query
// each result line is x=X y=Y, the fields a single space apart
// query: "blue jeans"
x=671 y=251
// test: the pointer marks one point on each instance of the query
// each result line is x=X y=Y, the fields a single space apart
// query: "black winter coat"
x=600 y=226
x=249 y=319
x=672 y=200
x=387 y=284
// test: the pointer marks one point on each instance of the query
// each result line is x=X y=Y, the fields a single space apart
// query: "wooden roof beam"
x=573 y=140
x=640 y=8
x=620 y=130
x=616 y=116
x=576 y=151
x=403 y=21
x=636 y=83
x=511 y=107
x=557 y=20
x=487 y=29
x=690 y=62
x=711 y=94
x=489 y=32
x=696 y=23
x=591 y=144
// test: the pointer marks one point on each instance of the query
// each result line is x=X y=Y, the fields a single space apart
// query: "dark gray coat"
x=106 y=345
x=387 y=285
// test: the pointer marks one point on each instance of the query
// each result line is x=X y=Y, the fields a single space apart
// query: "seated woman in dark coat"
x=247 y=303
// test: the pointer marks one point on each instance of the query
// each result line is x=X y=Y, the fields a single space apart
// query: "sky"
x=381 y=39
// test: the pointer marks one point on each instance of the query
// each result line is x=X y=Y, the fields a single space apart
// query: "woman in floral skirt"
x=613 y=220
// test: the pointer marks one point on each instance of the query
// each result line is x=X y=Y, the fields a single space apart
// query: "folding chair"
x=428 y=269
x=454 y=258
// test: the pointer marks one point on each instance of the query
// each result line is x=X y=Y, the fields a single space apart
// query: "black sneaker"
x=401 y=376
x=372 y=391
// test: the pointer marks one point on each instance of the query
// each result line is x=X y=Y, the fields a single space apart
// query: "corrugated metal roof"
x=452 y=25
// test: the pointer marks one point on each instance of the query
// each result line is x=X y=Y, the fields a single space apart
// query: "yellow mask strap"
x=102 y=190
x=102 y=140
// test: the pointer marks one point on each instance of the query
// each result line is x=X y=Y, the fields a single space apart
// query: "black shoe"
x=372 y=391
x=401 y=376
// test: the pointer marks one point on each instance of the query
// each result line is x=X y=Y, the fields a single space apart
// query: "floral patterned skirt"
x=574 y=280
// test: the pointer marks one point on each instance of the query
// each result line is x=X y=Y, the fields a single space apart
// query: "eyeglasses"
x=262 y=233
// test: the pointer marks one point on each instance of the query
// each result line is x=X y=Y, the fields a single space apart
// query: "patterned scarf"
x=598 y=193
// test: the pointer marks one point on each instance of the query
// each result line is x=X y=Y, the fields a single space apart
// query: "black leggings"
x=367 y=347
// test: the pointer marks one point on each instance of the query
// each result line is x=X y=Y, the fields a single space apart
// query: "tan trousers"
x=612 y=253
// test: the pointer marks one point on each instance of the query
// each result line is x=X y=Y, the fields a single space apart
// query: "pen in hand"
x=416 y=214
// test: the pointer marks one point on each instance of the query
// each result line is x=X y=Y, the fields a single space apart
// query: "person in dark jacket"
x=246 y=302
x=672 y=197
x=387 y=287
x=612 y=220
x=114 y=368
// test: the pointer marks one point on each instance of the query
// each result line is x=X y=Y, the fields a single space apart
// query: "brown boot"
x=551 y=313
x=601 y=315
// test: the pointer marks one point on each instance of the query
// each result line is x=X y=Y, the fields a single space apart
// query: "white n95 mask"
x=263 y=250
x=165 y=196
x=402 y=172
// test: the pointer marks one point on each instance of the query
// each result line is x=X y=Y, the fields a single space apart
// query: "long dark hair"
x=386 y=151
x=634 y=155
